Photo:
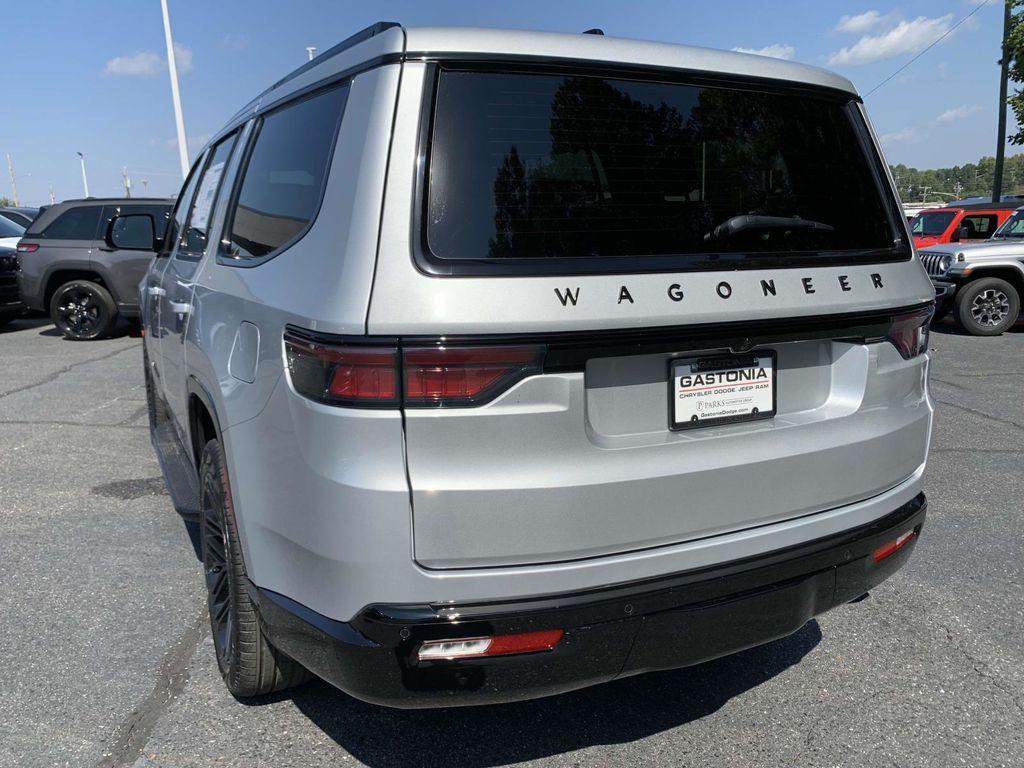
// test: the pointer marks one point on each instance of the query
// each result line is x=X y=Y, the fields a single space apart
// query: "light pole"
x=172 y=67
x=310 y=52
x=85 y=179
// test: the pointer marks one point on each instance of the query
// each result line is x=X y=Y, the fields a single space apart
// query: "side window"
x=76 y=224
x=982 y=225
x=135 y=233
x=181 y=208
x=196 y=231
x=284 y=178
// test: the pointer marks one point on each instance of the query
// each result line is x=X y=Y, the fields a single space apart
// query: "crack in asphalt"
x=131 y=735
x=980 y=668
x=976 y=412
x=60 y=372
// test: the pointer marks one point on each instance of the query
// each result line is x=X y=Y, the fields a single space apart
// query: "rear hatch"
x=642 y=311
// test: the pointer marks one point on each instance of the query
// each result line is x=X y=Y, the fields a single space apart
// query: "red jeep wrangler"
x=958 y=223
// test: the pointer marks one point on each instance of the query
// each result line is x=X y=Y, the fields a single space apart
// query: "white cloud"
x=776 y=51
x=183 y=58
x=143 y=63
x=904 y=135
x=905 y=37
x=234 y=41
x=957 y=113
x=148 y=63
x=859 y=23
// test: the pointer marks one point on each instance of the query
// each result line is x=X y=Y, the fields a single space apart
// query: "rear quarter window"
x=284 y=176
x=79 y=223
x=532 y=168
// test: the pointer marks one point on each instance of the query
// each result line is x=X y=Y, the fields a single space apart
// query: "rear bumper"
x=670 y=622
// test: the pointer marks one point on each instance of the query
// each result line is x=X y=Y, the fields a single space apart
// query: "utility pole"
x=172 y=67
x=85 y=179
x=127 y=181
x=997 y=176
x=310 y=52
x=14 y=186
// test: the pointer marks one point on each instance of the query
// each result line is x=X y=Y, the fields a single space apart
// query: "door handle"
x=180 y=307
x=155 y=290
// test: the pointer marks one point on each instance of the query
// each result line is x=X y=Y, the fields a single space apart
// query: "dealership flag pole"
x=172 y=67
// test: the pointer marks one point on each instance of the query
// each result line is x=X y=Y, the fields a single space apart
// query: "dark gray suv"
x=69 y=269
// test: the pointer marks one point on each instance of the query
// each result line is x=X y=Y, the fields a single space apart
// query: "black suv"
x=70 y=269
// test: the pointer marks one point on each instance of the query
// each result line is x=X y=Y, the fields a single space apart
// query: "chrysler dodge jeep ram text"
x=497 y=364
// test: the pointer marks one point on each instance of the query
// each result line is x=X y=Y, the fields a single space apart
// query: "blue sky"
x=92 y=77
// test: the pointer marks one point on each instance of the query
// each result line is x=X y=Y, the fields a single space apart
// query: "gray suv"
x=71 y=270
x=496 y=364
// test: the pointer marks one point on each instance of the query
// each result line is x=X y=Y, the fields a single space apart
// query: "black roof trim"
x=349 y=42
x=127 y=200
x=1005 y=205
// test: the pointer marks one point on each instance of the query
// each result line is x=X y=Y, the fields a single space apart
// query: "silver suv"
x=981 y=282
x=497 y=364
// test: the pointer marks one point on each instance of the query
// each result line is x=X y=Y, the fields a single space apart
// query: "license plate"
x=721 y=390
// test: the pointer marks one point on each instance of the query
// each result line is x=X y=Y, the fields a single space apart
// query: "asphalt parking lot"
x=107 y=659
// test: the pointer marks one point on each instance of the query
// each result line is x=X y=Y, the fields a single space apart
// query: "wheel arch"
x=203 y=420
x=64 y=273
x=1011 y=272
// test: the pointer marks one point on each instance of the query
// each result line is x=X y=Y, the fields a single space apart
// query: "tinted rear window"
x=9 y=228
x=539 y=166
x=74 y=224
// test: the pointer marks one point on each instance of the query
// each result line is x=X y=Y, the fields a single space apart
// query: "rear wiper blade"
x=746 y=222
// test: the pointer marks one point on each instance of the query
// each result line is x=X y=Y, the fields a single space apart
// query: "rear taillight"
x=416 y=376
x=447 y=376
x=28 y=247
x=909 y=332
x=343 y=374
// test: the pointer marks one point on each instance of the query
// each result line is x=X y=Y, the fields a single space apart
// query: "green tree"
x=1015 y=49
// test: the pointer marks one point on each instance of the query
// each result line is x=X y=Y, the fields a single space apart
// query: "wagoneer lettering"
x=491 y=375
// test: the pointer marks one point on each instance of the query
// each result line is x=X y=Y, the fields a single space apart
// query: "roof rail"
x=348 y=42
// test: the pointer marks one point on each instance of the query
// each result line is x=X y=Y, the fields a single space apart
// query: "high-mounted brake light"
x=497 y=645
x=909 y=332
x=28 y=247
x=364 y=375
x=894 y=546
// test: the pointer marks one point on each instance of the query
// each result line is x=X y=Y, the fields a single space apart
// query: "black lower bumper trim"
x=670 y=622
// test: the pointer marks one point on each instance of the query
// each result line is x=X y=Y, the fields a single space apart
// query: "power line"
x=944 y=35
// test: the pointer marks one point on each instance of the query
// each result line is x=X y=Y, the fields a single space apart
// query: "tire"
x=83 y=310
x=249 y=664
x=158 y=413
x=987 y=306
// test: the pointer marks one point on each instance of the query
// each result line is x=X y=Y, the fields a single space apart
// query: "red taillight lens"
x=909 y=333
x=894 y=546
x=439 y=376
x=497 y=645
x=343 y=374
x=28 y=247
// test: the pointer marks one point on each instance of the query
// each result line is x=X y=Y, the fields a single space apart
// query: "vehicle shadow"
x=615 y=713
x=24 y=324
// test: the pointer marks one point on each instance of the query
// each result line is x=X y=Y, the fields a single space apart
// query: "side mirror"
x=960 y=233
x=133 y=232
